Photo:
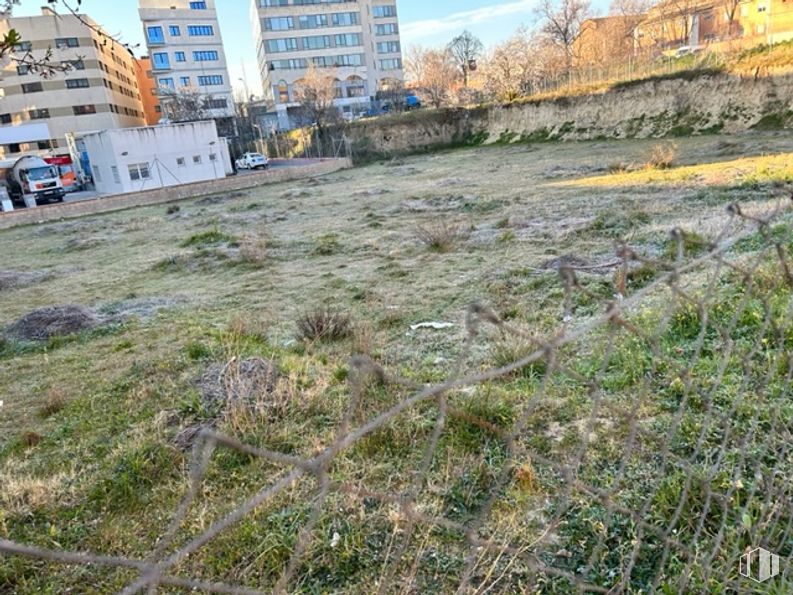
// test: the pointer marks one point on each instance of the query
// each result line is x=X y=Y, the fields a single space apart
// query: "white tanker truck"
x=29 y=178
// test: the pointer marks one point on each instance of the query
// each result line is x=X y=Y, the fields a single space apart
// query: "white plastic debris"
x=436 y=326
x=334 y=542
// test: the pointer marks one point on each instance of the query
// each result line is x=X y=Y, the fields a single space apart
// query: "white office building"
x=357 y=39
x=146 y=158
x=187 y=58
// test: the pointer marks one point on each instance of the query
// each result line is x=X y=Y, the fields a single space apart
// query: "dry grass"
x=254 y=249
x=439 y=235
x=663 y=156
x=55 y=402
x=23 y=494
x=323 y=324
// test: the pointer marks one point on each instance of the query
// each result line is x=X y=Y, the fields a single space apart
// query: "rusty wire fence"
x=646 y=448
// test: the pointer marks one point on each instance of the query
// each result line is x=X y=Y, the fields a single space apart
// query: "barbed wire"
x=714 y=460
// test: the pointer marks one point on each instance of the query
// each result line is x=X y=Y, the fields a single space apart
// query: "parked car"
x=252 y=161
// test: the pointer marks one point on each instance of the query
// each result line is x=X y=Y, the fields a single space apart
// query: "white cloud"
x=417 y=31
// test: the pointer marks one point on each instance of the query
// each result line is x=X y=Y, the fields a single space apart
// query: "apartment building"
x=99 y=91
x=357 y=39
x=670 y=24
x=148 y=91
x=188 y=62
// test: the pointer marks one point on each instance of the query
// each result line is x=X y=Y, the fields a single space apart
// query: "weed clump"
x=662 y=156
x=323 y=324
x=692 y=244
x=56 y=401
x=439 y=236
x=212 y=237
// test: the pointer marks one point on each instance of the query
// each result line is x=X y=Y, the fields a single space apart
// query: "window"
x=174 y=31
x=139 y=171
x=216 y=104
x=345 y=19
x=213 y=157
x=293 y=64
x=77 y=64
x=281 y=45
x=5 y=118
x=316 y=42
x=350 y=39
x=198 y=6
x=179 y=57
x=197 y=159
x=167 y=83
x=24 y=46
x=39 y=114
x=206 y=56
x=391 y=64
x=210 y=80
x=84 y=110
x=160 y=61
x=116 y=175
x=67 y=42
x=97 y=174
x=313 y=21
x=184 y=81
x=386 y=29
x=44 y=145
x=279 y=24
x=77 y=84
x=387 y=47
x=380 y=12
x=180 y=162
x=155 y=35
x=32 y=88
x=200 y=30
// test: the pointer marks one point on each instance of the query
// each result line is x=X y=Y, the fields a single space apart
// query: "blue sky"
x=425 y=22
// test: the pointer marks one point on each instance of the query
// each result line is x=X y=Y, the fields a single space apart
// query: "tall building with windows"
x=188 y=63
x=358 y=39
x=99 y=91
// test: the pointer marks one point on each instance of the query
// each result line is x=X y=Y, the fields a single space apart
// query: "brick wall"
x=163 y=195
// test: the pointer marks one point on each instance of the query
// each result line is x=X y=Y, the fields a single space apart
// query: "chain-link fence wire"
x=643 y=449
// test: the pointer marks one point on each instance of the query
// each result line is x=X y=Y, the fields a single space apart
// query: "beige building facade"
x=358 y=39
x=99 y=91
x=188 y=62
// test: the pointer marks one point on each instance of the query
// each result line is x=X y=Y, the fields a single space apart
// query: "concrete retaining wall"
x=165 y=195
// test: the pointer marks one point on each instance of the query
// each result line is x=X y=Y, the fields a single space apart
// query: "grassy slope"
x=86 y=435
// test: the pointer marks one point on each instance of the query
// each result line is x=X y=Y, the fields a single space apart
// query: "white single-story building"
x=135 y=159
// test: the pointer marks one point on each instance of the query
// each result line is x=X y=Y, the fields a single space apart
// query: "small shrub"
x=508 y=350
x=56 y=400
x=212 y=237
x=327 y=245
x=323 y=324
x=693 y=244
x=253 y=249
x=663 y=156
x=173 y=209
x=197 y=351
x=31 y=439
x=439 y=236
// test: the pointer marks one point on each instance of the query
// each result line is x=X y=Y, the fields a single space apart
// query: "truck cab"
x=33 y=178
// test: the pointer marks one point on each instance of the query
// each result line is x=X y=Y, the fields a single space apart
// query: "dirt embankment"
x=676 y=106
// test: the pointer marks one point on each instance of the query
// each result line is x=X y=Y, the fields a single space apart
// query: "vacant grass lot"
x=93 y=450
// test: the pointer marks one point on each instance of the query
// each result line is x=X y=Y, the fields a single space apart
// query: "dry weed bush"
x=254 y=249
x=56 y=401
x=663 y=156
x=323 y=324
x=439 y=235
x=25 y=494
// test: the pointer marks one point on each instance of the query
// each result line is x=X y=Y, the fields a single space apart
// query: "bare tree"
x=731 y=13
x=560 y=22
x=466 y=49
x=184 y=105
x=438 y=75
x=414 y=63
x=316 y=93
